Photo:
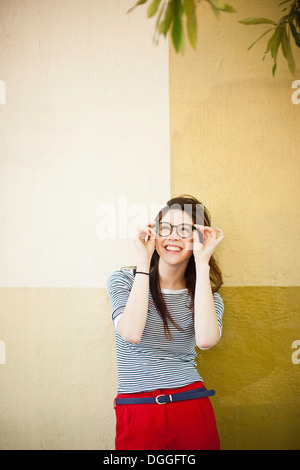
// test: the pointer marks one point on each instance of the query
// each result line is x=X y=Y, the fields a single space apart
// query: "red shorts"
x=184 y=425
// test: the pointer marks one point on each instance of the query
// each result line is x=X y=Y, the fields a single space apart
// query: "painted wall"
x=235 y=145
x=92 y=110
x=84 y=123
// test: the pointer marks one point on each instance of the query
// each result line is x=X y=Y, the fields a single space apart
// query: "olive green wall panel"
x=257 y=383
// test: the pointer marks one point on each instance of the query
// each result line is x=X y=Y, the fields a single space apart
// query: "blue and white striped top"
x=156 y=362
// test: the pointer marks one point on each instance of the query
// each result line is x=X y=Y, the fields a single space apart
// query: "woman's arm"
x=133 y=319
x=207 y=330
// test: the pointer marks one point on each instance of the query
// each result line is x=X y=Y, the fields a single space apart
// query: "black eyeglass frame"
x=176 y=227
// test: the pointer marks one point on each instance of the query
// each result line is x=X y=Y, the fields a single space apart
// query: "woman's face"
x=172 y=248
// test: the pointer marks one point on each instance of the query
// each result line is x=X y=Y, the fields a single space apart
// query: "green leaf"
x=159 y=16
x=266 y=32
x=177 y=29
x=215 y=10
x=140 y=2
x=229 y=8
x=270 y=45
x=248 y=21
x=294 y=33
x=220 y=5
x=287 y=51
x=285 y=1
x=165 y=24
x=273 y=44
x=153 y=7
x=277 y=40
x=189 y=8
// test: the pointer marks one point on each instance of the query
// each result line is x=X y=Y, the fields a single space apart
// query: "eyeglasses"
x=164 y=229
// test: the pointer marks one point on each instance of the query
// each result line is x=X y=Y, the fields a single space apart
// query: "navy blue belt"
x=163 y=399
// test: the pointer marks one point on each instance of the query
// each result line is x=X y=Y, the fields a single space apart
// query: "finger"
x=213 y=233
x=204 y=228
x=143 y=231
x=219 y=230
x=208 y=232
x=221 y=234
x=151 y=234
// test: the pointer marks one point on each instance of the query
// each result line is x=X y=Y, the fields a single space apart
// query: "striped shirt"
x=156 y=362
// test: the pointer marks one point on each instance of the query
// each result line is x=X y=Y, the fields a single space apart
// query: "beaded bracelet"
x=141 y=272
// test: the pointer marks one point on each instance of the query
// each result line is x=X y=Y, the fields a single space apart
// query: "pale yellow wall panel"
x=59 y=378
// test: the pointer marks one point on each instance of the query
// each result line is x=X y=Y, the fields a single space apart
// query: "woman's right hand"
x=144 y=240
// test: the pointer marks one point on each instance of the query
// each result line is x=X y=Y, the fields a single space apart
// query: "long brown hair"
x=182 y=202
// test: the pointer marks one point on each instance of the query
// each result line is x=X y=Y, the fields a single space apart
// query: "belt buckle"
x=156 y=399
x=163 y=403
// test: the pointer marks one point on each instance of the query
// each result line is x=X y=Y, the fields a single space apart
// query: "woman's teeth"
x=173 y=248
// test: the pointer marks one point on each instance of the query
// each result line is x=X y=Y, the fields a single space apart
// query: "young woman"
x=161 y=310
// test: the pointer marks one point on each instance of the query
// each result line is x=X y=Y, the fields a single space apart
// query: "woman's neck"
x=171 y=276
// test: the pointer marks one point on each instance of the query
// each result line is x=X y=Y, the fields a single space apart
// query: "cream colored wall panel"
x=86 y=121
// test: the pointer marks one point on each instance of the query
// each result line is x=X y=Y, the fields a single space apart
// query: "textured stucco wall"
x=85 y=121
x=235 y=145
x=59 y=379
x=253 y=371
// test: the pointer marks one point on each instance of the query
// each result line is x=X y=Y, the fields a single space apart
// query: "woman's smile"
x=172 y=249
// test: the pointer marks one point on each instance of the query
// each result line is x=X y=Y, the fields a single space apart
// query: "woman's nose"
x=173 y=234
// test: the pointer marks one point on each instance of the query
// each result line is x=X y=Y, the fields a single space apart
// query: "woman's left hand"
x=203 y=251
